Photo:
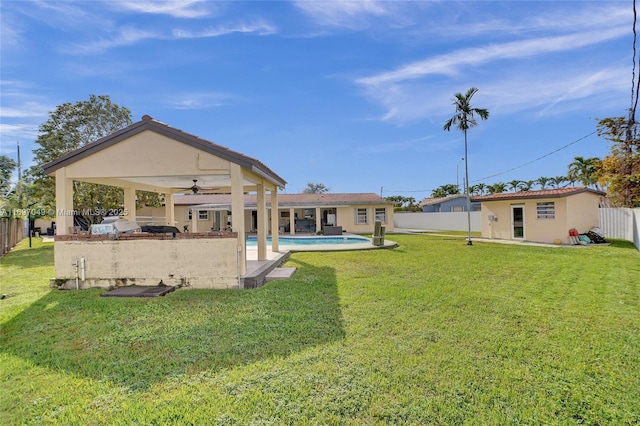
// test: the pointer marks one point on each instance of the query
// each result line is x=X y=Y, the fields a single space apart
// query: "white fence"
x=447 y=221
x=623 y=224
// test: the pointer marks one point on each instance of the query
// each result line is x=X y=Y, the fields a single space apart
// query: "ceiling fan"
x=195 y=188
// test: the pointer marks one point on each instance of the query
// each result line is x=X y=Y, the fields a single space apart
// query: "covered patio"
x=152 y=156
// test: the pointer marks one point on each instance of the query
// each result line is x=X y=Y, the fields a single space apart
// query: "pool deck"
x=261 y=271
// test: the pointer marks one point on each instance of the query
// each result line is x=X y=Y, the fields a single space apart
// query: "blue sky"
x=351 y=94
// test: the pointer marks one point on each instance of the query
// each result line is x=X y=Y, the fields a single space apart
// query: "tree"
x=620 y=170
x=8 y=199
x=556 y=182
x=515 y=185
x=527 y=185
x=7 y=167
x=445 y=190
x=543 y=181
x=316 y=188
x=69 y=127
x=464 y=119
x=497 y=188
x=584 y=170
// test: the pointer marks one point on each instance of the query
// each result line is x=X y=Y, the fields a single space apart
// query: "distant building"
x=452 y=203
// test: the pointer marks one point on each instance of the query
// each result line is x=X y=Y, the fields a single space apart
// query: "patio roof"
x=176 y=183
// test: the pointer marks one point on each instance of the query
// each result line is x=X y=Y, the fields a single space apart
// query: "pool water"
x=306 y=241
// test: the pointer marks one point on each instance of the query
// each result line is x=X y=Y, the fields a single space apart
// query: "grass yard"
x=433 y=332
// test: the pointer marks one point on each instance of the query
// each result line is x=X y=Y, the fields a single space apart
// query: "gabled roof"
x=148 y=123
x=546 y=193
x=285 y=200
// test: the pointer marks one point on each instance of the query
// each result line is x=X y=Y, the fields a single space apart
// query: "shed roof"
x=546 y=193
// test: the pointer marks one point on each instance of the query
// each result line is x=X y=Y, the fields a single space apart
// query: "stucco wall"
x=159 y=153
x=198 y=263
x=346 y=217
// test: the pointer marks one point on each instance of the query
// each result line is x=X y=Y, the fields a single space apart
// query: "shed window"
x=361 y=217
x=546 y=210
x=381 y=214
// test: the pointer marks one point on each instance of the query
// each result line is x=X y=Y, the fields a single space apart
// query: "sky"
x=350 y=94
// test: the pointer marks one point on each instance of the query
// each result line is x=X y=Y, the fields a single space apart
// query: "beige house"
x=542 y=216
x=152 y=156
x=297 y=213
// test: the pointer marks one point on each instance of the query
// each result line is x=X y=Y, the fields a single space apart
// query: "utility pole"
x=19 y=188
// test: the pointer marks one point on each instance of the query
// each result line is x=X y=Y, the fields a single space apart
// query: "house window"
x=202 y=215
x=457 y=209
x=381 y=214
x=546 y=210
x=361 y=217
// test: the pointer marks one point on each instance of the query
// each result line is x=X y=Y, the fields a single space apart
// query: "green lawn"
x=433 y=332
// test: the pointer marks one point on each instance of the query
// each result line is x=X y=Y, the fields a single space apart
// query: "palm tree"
x=515 y=185
x=583 y=170
x=497 y=188
x=464 y=119
x=528 y=184
x=557 y=181
x=543 y=181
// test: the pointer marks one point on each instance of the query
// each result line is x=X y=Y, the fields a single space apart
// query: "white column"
x=169 y=210
x=318 y=220
x=237 y=214
x=262 y=223
x=64 y=202
x=130 y=203
x=275 y=221
x=292 y=221
x=194 y=221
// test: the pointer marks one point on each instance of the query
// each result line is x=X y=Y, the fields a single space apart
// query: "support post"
x=64 y=202
x=237 y=215
x=130 y=203
x=262 y=223
x=275 y=221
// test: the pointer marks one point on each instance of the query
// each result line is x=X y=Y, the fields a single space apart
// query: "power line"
x=506 y=171
x=537 y=159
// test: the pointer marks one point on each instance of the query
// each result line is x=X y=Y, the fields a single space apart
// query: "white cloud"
x=351 y=14
x=18 y=131
x=198 y=100
x=259 y=28
x=129 y=35
x=176 y=9
x=124 y=37
x=451 y=63
x=28 y=109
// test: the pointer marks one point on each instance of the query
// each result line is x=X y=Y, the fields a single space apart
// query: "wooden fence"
x=11 y=233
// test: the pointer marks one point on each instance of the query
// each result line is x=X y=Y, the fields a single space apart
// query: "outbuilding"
x=542 y=216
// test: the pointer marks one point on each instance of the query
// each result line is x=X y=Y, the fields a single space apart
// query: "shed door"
x=517 y=222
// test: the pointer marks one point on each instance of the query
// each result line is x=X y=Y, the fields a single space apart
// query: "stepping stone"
x=280 y=273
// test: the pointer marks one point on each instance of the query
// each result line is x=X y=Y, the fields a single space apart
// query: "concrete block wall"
x=195 y=263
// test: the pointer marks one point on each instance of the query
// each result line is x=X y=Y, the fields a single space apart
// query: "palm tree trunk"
x=466 y=190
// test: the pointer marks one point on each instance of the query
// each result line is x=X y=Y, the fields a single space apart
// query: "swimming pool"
x=312 y=241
